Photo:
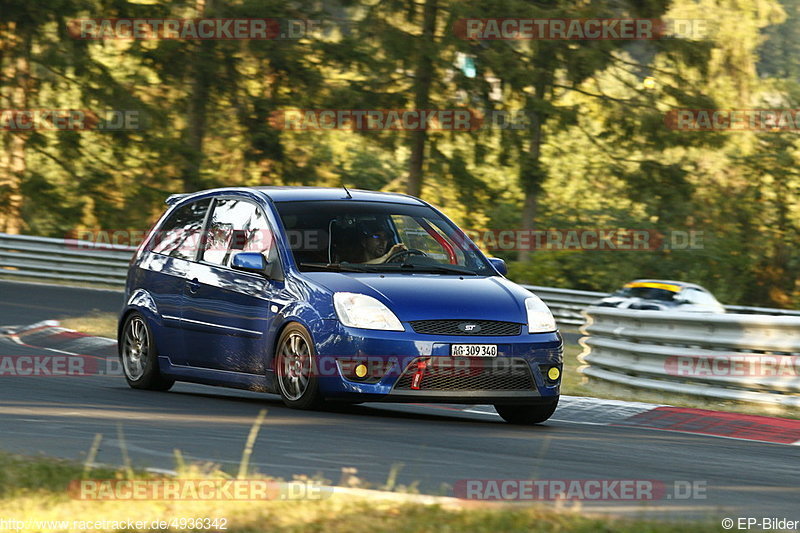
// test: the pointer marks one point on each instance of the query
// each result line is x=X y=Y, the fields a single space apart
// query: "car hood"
x=434 y=296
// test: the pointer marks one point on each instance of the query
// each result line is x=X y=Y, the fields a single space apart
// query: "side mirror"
x=499 y=265
x=250 y=262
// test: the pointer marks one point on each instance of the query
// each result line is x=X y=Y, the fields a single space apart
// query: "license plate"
x=473 y=350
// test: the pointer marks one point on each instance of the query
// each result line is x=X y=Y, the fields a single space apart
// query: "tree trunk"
x=531 y=172
x=422 y=91
x=196 y=112
x=15 y=90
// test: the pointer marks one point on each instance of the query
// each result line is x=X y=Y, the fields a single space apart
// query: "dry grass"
x=95 y=323
x=34 y=489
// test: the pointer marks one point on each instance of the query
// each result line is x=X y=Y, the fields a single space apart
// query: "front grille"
x=468 y=374
x=462 y=327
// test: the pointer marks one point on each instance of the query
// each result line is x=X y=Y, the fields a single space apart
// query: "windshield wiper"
x=389 y=267
x=446 y=269
x=338 y=267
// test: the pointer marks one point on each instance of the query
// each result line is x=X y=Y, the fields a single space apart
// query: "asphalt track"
x=435 y=445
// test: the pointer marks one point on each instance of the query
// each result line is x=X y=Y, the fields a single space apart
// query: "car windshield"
x=647 y=293
x=359 y=236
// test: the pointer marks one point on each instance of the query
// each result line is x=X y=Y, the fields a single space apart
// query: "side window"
x=237 y=226
x=262 y=238
x=415 y=236
x=179 y=235
x=701 y=298
x=688 y=296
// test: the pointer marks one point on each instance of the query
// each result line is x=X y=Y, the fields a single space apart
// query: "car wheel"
x=139 y=356
x=295 y=367
x=526 y=414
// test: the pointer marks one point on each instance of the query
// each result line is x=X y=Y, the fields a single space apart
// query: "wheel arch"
x=142 y=302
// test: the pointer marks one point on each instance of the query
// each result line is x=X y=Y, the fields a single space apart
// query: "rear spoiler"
x=173 y=198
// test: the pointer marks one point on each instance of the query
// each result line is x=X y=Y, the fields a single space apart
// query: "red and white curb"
x=50 y=336
x=597 y=411
x=719 y=424
x=571 y=409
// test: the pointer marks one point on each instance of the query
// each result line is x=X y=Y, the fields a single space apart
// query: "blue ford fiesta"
x=322 y=294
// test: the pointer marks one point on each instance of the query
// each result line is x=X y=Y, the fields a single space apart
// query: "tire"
x=526 y=414
x=295 y=367
x=138 y=355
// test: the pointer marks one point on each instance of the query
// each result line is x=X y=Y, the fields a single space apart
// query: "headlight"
x=540 y=319
x=362 y=311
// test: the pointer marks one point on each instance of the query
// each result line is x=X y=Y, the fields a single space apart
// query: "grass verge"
x=94 y=323
x=34 y=491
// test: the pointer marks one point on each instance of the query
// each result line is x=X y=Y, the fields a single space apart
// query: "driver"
x=374 y=242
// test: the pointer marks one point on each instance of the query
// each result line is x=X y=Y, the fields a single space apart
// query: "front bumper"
x=391 y=355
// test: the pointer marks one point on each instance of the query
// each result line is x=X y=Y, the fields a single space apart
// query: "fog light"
x=554 y=373
x=361 y=370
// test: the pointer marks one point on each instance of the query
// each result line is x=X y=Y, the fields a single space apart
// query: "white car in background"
x=663 y=295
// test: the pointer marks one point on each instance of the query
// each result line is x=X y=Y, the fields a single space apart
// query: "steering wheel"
x=402 y=253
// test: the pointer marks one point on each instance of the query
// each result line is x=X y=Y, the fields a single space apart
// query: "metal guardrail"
x=743 y=310
x=566 y=304
x=64 y=259
x=645 y=349
x=88 y=262
x=729 y=356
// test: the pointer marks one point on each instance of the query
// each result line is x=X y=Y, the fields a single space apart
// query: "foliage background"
x=594 y=153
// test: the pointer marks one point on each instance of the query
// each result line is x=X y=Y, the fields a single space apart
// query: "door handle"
x=192 y=286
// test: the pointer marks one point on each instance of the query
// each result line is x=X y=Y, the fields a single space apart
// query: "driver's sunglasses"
x=380 y=235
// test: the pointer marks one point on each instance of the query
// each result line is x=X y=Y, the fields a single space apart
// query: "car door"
x=227 y=313
x=168 y=259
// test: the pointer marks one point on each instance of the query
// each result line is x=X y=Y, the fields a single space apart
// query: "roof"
x=302 y=194
x=681 y=284
x=299 y=194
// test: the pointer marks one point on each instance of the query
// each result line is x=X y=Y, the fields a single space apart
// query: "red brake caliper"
x=416 y=379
